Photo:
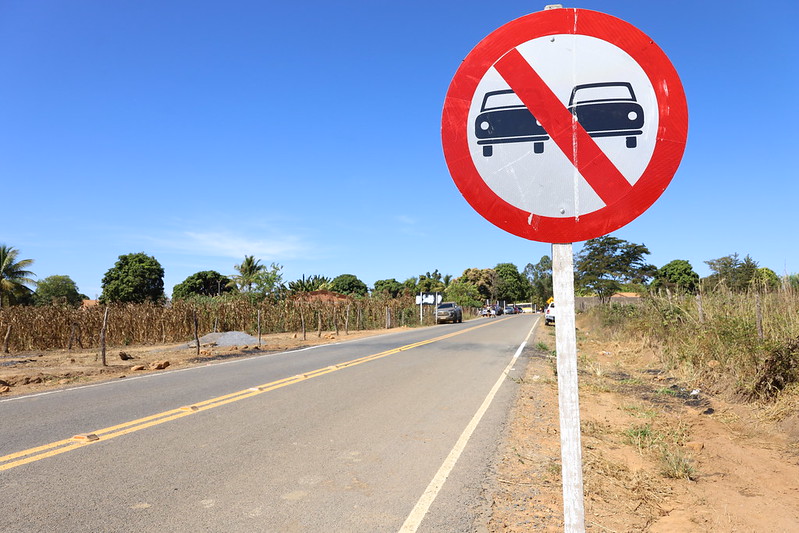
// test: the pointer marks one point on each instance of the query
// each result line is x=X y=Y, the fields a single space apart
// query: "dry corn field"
x=24 y=328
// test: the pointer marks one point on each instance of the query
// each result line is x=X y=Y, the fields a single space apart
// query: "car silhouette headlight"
x=632 y=115
x=485 y=125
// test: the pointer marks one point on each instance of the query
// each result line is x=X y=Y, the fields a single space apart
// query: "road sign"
x=564 y=125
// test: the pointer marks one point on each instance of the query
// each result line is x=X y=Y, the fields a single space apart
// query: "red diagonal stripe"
x=599 y=171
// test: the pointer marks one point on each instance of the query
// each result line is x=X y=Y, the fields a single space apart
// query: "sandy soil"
x=655 y=457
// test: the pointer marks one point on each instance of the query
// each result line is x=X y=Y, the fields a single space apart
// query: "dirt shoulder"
x=30 y=372
x=658 y=455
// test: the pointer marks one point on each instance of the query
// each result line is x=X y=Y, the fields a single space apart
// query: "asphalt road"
x=368 y=435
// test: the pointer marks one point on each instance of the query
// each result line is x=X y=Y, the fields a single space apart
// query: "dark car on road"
x=608 y=109
x=449 y=312
x=503 y=119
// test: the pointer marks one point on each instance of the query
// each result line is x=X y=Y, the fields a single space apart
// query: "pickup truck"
x=449 y=312
x=549 y=314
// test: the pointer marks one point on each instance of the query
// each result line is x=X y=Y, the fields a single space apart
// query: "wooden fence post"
x=302 y=321
x=102 y=337
x=196 y=330
x=335 y=317
x=71 y=336
x=699 y=307
x=5 y=339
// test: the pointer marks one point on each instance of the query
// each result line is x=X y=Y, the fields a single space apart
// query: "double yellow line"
x=30 y=455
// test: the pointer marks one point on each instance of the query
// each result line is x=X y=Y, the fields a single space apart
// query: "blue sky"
x=308 y=134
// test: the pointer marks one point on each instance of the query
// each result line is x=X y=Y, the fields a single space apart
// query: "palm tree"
x=309 y=284
x=248 y=273
x=14 y=277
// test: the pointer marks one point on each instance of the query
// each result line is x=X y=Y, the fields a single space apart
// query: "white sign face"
x=606 y=91
x=429 y=298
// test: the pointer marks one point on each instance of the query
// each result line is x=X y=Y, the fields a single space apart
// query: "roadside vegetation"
x=63 y=327
x=735 y=328
x=744 y=343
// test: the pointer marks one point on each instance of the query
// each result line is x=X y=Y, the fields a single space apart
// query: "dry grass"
x=744 y=343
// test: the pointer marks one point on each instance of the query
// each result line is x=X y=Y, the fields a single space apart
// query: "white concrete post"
x=568 y=399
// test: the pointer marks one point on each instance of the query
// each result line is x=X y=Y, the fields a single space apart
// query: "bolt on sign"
x=564 y=125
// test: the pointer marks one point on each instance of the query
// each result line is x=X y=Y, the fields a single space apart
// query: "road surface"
x=388 y=433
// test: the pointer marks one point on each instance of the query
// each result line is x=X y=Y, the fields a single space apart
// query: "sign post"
x=562 y=126
x=571 y=469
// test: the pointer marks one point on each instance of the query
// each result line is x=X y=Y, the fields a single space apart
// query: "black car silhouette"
x=504 y=118
x=608 y=110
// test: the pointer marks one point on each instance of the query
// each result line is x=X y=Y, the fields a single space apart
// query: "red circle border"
x=669 y=143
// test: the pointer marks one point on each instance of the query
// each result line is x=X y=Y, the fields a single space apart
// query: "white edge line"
x=419 y=511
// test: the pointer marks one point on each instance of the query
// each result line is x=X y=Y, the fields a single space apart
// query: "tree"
x=58 y=290
x=309 y=284
x=388 y=287
x=349 y=284
x=14 y=277
x=269 y=281
x=605 y=263
x=511 y=285
x=409 y=286
x=427 y=282
x=483 y=279
x=431 y=282
x=731 y=271
x=205 y=283
x=463 y=293
x=765 y=279
x=539 y=276
x=248 y=272
x=677 y=275
x=257 y=279
x=134 y=278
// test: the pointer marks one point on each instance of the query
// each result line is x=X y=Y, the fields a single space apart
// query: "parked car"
x=608 y=109
x=510 y=310
x=449 y=312
x=549 y=315
x=504 y=119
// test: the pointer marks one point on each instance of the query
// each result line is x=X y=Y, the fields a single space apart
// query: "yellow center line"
x=58 y=447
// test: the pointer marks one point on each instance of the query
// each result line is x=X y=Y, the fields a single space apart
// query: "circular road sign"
x=564 y=125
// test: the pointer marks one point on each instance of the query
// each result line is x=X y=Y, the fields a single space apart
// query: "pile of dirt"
x=658 y=455
x=228 y=338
